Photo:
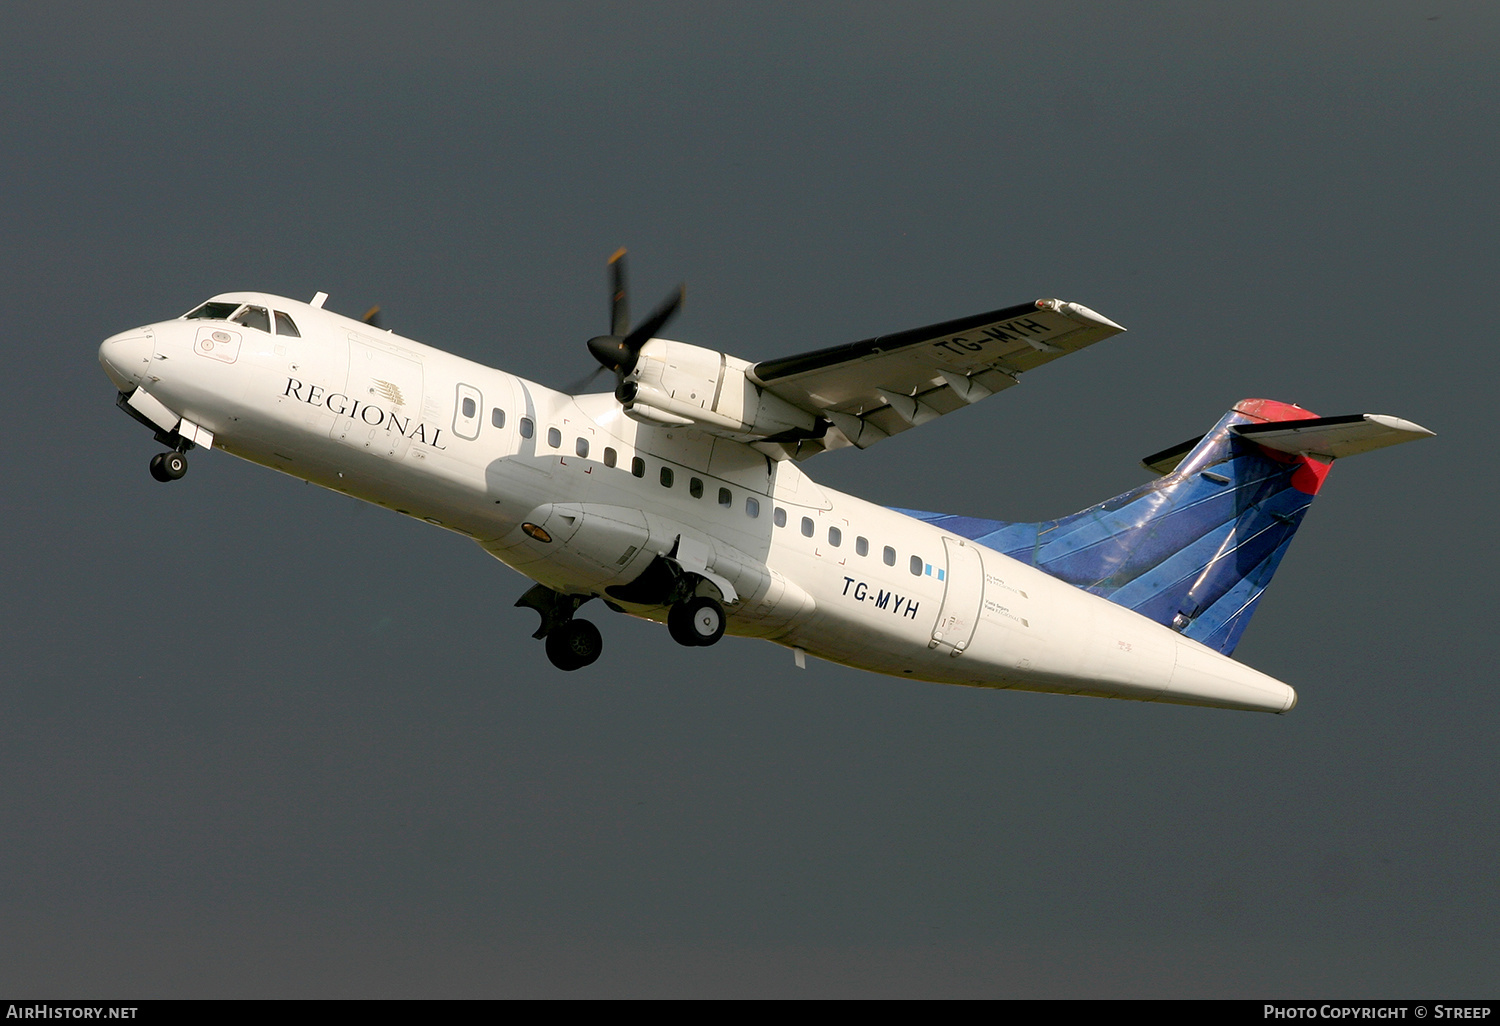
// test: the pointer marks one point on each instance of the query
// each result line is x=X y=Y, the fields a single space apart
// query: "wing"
x=876 y=388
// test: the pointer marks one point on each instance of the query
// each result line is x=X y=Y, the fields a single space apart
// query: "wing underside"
x=869 y=390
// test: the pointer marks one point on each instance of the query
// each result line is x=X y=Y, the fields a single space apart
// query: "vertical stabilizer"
x=1195 y=549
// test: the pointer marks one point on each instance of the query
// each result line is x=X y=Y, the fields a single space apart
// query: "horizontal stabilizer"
x=1164 y=462
x=1329 y=438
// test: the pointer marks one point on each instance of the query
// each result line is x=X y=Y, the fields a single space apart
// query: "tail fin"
x=1196 y=549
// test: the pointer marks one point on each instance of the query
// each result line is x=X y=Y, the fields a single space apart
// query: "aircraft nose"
x=126 y=356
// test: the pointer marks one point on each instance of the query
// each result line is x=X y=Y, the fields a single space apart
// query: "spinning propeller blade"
x=619 y=304
x=619 y=350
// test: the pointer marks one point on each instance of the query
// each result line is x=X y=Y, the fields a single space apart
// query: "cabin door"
x=962 y=599
x=385 y=399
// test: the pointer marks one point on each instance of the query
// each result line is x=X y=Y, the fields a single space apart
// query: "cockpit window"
x=284 y=326
x=213 y=312
x=253 y=317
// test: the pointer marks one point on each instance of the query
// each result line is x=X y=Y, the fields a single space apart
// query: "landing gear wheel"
x=168 y=466
x=573 y=645
x=698 y=621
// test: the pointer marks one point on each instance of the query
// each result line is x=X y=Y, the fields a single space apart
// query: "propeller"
x=372 y=317
x=619 y=350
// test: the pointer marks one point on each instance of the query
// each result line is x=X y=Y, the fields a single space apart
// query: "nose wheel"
x=574 y=645
x=168 y=466
x=698 y=621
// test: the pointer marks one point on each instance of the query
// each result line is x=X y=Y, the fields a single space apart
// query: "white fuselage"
x=480 y=452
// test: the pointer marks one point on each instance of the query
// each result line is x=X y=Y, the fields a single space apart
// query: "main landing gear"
x=692 y=619
x=571 y=644
x=574 y=645
x=697 y=621
x=168 y=466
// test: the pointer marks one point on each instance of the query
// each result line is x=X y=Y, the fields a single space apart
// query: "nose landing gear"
x=168 y=466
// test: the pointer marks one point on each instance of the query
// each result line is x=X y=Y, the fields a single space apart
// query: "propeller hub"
x=611 y=353
x=621 y=349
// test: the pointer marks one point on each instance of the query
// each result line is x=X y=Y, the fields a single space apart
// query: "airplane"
x=679 y=497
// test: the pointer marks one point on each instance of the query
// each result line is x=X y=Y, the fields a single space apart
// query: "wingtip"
x=1079 y=313
x=1399 y=424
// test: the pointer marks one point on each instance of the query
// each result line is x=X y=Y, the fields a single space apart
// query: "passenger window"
x=581 y=447
x=610 y=456
x=497 y=417
x=253 y=317
x=554 y=437
x=695 y=488
x=725 y=499
x=469 y=408
x=284 y=326
x=807 y=527
x=666 y=477
x=835 y=537
x=526 y=427
x=889 y=555
x=861 y=546
x=752 y=507
x=638 y=466
x=916 y=566
x=779 y=517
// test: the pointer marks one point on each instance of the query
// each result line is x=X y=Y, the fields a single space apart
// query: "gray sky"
x=258 y=739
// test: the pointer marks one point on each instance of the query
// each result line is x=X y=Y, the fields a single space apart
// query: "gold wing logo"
x=390 y=391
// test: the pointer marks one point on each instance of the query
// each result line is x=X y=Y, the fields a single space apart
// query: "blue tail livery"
x=1195 y=549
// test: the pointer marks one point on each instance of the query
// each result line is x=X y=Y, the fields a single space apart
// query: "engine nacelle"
x=674 y=383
